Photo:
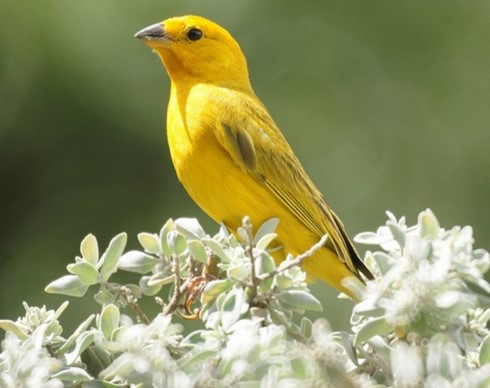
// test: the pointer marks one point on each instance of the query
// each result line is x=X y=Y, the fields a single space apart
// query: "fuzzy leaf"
x=216 y=248
x=198 y=251
x=374 y=327
x=109 y=259
x=12 y=327
x=268 y=227
x=150 y=242
x=264 y=242
x=169 y=225
x=234 y=306
x=69 y=285
x=109 y=320
x=72 y=374
x=71 y=340
x=485 y=351
x=300 y=300
x=190 y=228
x=137 y=262
x=90 y=249
x=367 y=238
x=398 y=234
x=85 y=271
x=176 y=242
x=306 y=327
x=264 y=264
x=82 y=343
x=429 y=226
x=215 y=288
x=147 y=289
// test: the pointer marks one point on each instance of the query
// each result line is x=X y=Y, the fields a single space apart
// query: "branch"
x=297 y=261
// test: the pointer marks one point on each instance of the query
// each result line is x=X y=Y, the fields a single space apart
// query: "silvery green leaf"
x=137 y=262
x=349 y=347
x=268 y=227
x=235 y=304
x=216 y=248
x=300 y=367
x=72 y=374
x=238 y=272
x=429 y=226
x=108 y=262
x=109 y=320
x=306 y=327
x=190 y=228
x=480 y=286
x=214 y=289
x=158 y=280
x=280 y=317
x=264 y=242
x=282 y=281
x=367 y=238
x=391 y=217
x=150 y=242
x=82 y=342
x=176 y=242
x=198 y=251
x=169 y=225
x=90 y=249
x=374 y=327
x=300 y=300
x=481 y=258
x=85 y=271
x=12 y=327
x=242 y=233
x=60 y=310
x=98 y=357
x=264 y=263
x=104 y=297
x=398 y=234
x=383 y=261
x=147 y=289
x=192 y=359
x=69 y=285
x=233 y=241
x=72 y=338
x=484 y=351
x=367 y=308
x=484 y=317
x=381 y=348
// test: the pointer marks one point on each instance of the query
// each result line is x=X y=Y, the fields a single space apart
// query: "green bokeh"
x=386 y=104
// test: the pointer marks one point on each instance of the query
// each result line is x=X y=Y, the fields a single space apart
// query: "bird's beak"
x=153 y=35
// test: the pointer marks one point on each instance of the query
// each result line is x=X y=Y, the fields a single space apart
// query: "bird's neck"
x=182 y=78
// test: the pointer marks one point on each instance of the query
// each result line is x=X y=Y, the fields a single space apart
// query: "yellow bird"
x=230 y=155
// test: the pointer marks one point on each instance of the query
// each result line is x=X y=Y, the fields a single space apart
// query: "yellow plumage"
x=229 y=154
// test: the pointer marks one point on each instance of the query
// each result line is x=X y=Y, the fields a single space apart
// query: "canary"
x=230 y=155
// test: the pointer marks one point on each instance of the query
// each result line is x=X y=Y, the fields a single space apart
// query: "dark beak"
x=153 y=32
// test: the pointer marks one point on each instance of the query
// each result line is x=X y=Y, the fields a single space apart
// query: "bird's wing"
x=258 y=147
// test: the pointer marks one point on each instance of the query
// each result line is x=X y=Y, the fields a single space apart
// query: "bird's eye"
x=194 y=34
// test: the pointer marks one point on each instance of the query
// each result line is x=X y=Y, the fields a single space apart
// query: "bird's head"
x=196 y=50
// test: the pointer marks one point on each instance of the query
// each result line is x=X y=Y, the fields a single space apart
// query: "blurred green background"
x=387 y=104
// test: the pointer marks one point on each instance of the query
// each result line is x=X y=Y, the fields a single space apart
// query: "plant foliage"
x=422 y=322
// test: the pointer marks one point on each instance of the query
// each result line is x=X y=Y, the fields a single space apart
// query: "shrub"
x=422 y=322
